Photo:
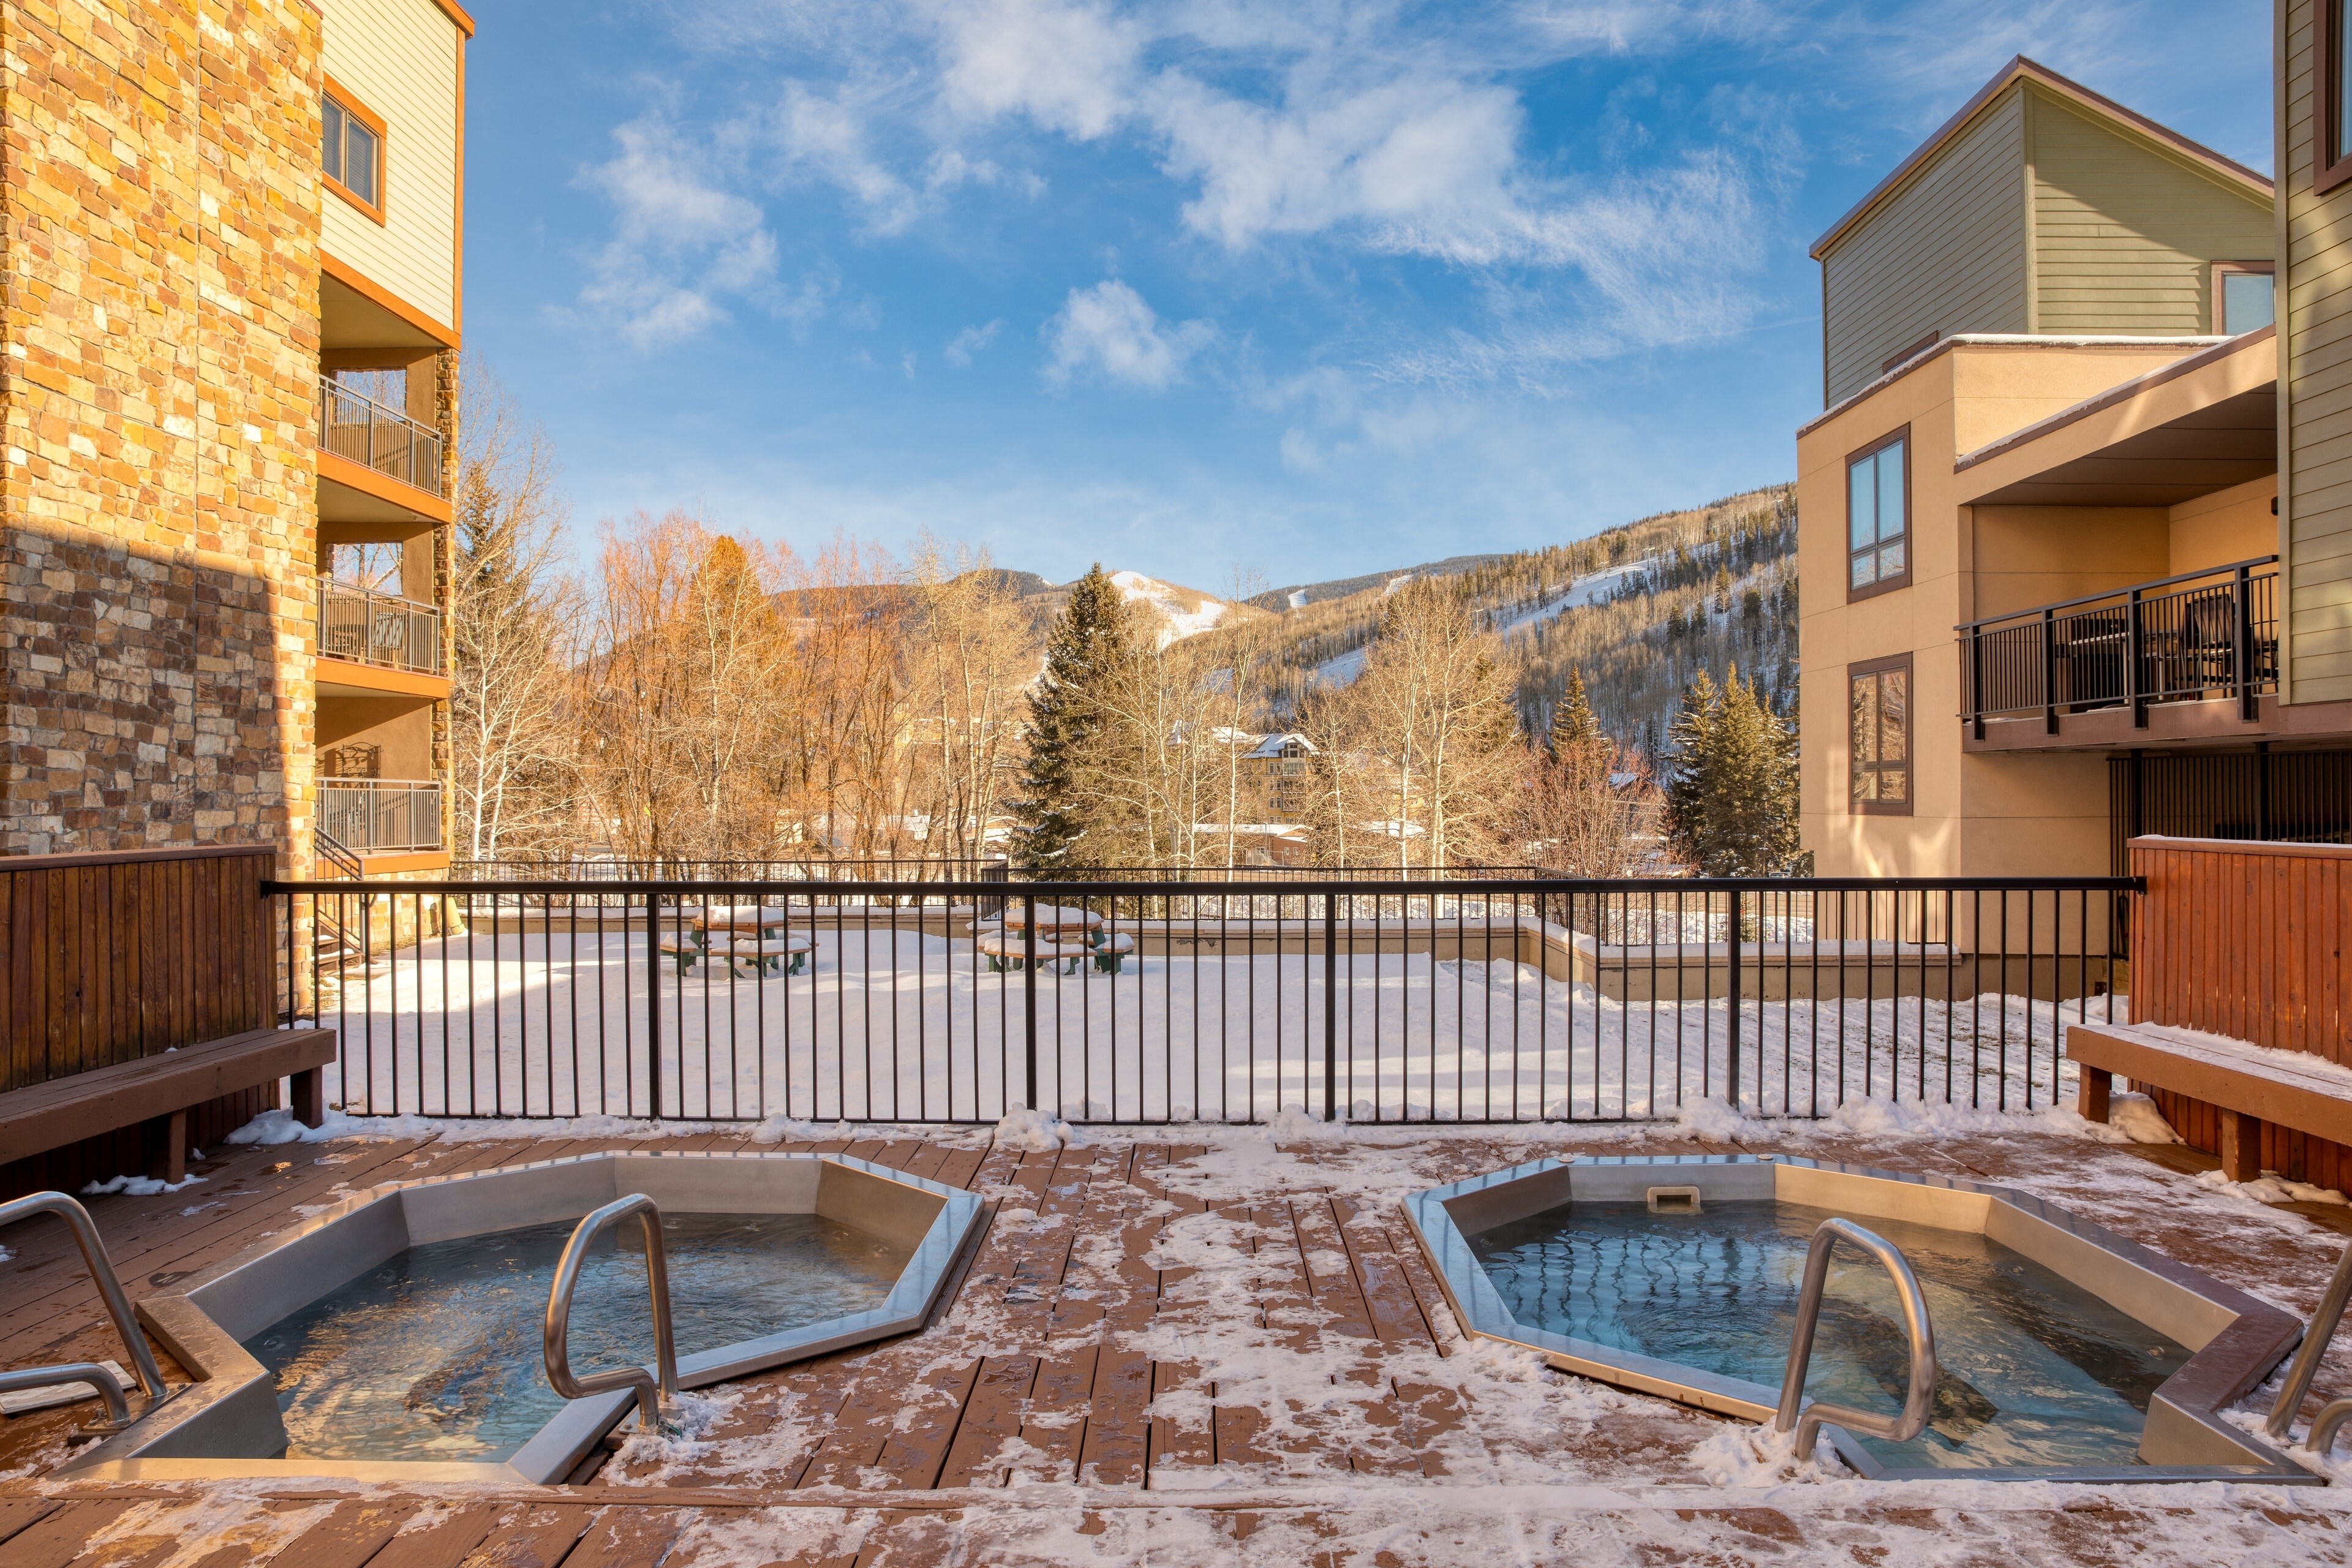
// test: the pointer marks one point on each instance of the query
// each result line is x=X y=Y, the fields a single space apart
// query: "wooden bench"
x=161 y=1089
x=2246 y=1084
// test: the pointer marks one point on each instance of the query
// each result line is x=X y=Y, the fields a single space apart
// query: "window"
x=1878 y=516
x=350 y=151
x=2241 y=296
x=2331 y=127
x=1879 y=702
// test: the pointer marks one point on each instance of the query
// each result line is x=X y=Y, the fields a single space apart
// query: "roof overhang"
x=2229 y=171
x=2199 y=424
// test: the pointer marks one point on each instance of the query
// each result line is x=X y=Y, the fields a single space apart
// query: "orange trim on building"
x=457 y=13
x=367 y=481
x=391 y=865
x=335 y=671
x=351 y=278
x=458 y=216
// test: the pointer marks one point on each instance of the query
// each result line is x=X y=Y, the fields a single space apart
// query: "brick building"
x=229 y=301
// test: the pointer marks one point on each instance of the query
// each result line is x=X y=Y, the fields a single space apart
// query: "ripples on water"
x=2036 y=1371
x=436 y=1354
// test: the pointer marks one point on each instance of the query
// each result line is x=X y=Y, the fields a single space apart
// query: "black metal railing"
x=376 y=816
x=352 y=425
x=1138 y=1001
x=2201 y=637
x=382 y=629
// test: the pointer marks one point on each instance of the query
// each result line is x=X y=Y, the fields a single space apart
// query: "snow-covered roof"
x=1273 y=744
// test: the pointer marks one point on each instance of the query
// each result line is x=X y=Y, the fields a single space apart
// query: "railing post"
x=1731 y=1073
x=2132 y=653
x=2242 y=646
x=2049 y=673
x=653 y=1000
x=1029 y=989
x=1330 y=1005
x=1976 y=682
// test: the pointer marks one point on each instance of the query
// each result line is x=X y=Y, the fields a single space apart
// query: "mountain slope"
x=1638 y=609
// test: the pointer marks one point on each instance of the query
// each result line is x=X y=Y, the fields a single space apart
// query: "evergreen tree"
x=1732 y=782
x=1574 y=730
x=1066 y=722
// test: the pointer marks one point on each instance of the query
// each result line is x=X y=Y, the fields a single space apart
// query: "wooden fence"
x=109 y=958
x=2248 y=941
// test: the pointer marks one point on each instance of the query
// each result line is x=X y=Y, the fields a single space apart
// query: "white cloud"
x=1066 y=66
x=969 y=341
x=1109 y=329
x=680 y=242
x=822 y=136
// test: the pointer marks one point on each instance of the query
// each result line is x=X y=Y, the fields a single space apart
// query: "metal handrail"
x=1919 y=1398
x=655 y=1400
x=117 y=1307
x=2315 y=1336
x=2111 y=593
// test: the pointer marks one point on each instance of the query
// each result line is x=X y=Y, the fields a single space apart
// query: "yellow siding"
x=2123 y=236
x=400 y=58
x=1945 y=254
x=2317 y=371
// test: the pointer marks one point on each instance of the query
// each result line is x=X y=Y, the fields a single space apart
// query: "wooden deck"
x=1060 y=1409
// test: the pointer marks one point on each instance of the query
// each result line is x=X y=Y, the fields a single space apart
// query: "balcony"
x=379 y=816
x=385 y=441
x=379 y=630
x=2121 y=668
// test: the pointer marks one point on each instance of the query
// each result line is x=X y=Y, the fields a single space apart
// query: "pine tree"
x=1574 y=730
x=1065 y=722
x=1732 y=782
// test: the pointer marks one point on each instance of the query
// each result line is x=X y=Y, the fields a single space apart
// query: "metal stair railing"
x=117 y=1307
x=2332 y=1417
x=1919 y=1398
x=656 y=1400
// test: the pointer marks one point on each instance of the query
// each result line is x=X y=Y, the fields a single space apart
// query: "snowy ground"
x=898 y=1026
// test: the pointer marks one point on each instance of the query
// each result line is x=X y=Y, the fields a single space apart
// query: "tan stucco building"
x=230 y=297
x=2050 y=595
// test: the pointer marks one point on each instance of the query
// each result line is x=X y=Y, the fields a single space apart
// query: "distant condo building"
x=232 y=242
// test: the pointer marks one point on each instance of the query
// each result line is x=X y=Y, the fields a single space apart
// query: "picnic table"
x=779 y=952
x=1006 y=951
x=1057 y=922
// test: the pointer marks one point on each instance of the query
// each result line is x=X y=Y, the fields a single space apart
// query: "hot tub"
x=397 y=1335
x=2065 y=1352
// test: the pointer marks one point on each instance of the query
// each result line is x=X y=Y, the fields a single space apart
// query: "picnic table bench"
x=2247 y=1084
x=159 y=1090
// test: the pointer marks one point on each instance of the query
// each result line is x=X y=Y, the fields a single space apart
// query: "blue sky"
x=1301 y=290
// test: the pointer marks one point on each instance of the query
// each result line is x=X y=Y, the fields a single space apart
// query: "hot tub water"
x=436 y=1354
x=2036 y=1371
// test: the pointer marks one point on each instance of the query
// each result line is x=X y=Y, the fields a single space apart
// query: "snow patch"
x=1040 y=1132
x=138 y=1186
x=2270 y=1187
x=2137 y=1118
x=1176 y=622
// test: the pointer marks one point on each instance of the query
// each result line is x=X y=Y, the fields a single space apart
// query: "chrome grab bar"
x=654 y=1401
x=1919 y=1399
x=2322 y=1328
x=117 y=1307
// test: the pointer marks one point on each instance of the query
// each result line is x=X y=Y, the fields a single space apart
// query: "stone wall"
x=159 y=237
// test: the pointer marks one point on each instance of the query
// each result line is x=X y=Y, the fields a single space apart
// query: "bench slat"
x=40 y=1117
x=2317 y=1103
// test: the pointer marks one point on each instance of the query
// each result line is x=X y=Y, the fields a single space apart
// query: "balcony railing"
x=356 y=427
x=2201 y=637
x=378 y=628
x=375 y=816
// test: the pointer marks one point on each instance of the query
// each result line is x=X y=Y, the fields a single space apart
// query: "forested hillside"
x=1639 y=609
